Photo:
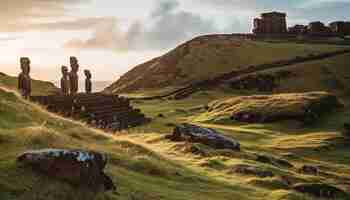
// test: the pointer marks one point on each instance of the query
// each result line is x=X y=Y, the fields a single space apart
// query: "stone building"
x=340 y=27
x=318 y=28
x=297 y=29
x=271 y=23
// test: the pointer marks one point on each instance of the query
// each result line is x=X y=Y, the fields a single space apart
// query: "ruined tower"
x=271 y=23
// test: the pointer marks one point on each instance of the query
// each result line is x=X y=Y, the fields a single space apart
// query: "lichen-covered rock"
x=251 y=170
x=207 y=136
x=78 y=167
x=320 y=190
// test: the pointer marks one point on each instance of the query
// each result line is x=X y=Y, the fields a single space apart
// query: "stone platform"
x=109 y=112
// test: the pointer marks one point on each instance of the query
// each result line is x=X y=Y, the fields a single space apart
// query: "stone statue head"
x=74 y=64
x=25 y=65
x=87 y=74
x=64 y=70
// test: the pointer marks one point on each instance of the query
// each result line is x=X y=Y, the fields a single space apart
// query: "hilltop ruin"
x=275 y=23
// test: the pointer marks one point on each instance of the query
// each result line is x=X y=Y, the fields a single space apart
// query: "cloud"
x=165 y=27
x=22 y=15
x=6 y=39
x=65 y=25
x=107 y=35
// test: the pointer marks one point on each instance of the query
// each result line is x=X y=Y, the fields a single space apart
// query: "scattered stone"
x=273 y=161
x=308 y=169
x=84 y=168
x=207 y=136
x=320 y=190
x=346 y=131
x=251 y=170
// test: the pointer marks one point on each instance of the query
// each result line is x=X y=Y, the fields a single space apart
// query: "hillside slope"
x=331 y=74
x=139 y=173
x=38 y=87
x=146 y=166
x=206 y=57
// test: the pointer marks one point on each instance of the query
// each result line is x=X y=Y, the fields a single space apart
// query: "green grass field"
x=321 y=144
x=146 y=166
x=140 y=172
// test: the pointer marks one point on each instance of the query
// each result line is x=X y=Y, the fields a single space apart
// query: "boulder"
x=83 y=168
x=207 y=136
x=346 y=131
x=251 y=170
x=308 y=169
x=320 y=190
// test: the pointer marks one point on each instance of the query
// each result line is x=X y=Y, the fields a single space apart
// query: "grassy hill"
x=145 y=165
x=140 y=173
x=331 y=74
x=206 y=57
x=321 y=144
x=38 y=87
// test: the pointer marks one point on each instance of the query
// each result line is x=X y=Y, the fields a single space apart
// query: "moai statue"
x=73 y=75
x=65 y=81
x=24 y=80
x=88 y=83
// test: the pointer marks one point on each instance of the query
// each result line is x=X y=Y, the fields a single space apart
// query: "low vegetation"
x=144 y=164
x=138 y=171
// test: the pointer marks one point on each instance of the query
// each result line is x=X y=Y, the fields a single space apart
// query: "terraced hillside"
x=39 y=87
x=206 y=57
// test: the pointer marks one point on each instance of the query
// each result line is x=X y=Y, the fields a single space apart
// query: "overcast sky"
x=109 y=36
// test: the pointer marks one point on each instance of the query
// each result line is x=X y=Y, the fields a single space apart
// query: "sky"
x=109 y=37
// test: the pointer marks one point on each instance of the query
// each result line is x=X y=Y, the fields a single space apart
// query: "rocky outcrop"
x=304 y=107
x=320 y=190
x=207 y=136
x=251 y=170
x=263 y=82
x=83 y=168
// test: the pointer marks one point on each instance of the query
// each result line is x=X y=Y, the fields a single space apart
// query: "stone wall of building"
x=271 y=23
x=340 y=27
